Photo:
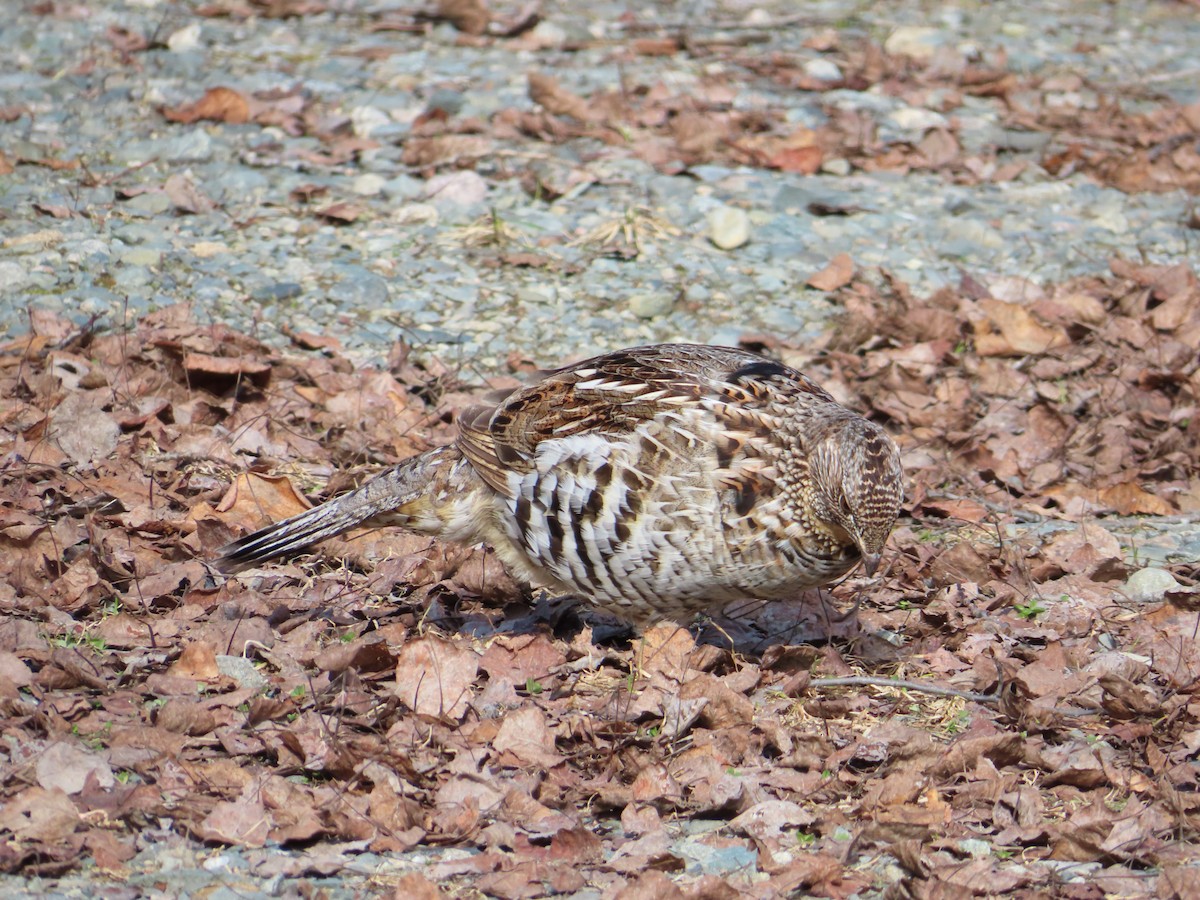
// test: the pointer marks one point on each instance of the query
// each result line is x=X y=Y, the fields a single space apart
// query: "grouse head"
x=857 y=484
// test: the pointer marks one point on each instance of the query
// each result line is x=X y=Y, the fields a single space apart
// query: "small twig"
x=1020 y=515
x=91 y=180
x=1182 y=75
x=871 y=681
x=766 y=25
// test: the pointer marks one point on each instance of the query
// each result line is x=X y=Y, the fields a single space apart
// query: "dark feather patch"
x=555 y=528
x=727 y=446
x=760 y=369
x=747 y=496
x=593 y=506
x=581 y=548
x=622 y=531
x=523 y=512
x=603 y=476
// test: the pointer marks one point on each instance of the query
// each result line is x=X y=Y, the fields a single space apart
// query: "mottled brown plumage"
x=657 y=482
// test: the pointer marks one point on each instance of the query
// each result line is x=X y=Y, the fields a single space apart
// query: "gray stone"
x=650 y=305
x=447 y=100
x=823 y=70
x=193 y=145
x=242 y=671
x=276 y=291
x=975 y=848
x=141 y=256
x=1148 y=585
x=708 y=860
x=131 y=277
x=404 y=187
x=547 y=34
x=13 y=276
x=139 y=232
x=237 y=184
x=1022 y=141
x=360 y=288
x=147 y=205
x=456 y=189
x=536 y=293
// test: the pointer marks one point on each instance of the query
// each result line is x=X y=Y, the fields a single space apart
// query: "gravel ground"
x=259 y=262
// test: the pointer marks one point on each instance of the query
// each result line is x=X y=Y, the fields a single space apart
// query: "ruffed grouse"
x=657 y=482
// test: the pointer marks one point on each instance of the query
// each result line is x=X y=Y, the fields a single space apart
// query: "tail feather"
x=399 y=496
x=289 y=535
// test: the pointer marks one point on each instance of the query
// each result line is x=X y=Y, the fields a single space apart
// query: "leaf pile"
x=412 y=697
x=1072 y=401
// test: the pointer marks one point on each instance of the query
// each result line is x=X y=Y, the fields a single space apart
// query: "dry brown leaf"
x=666 y=46
x=185 y=196
x=67 y=767
x=468 y=16
x=342 y=213
x=50 y=209
x=545 y=91
x=434 y=677
x=415 y=886
x=837 y=274
x=82 y=429
x=698 y=136
x=773 y=823
x=445 y=150
x=805 y=160
x=197 y=661
x=1010 y=330
x=1131 y=499
x=654 y=784
x=38 y=814
x=667 y=649
x=939 y=148
x=181 y=716
x=255 y=499
x=225 y=366
x=525 y=736
x=244 y=822
x=219 y=104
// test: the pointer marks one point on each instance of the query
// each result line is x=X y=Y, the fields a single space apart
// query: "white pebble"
x=918 y=42
x=728 y=227
x=186 y=38
x=368 y=184
x=367 y=119
x=822 y=70
x=913 y=118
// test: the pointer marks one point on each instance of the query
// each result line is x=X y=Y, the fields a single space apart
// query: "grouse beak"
x=870 y=563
